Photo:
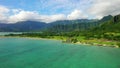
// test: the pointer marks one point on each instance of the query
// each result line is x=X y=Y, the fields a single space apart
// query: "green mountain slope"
x=109 y=30
x=113 y=25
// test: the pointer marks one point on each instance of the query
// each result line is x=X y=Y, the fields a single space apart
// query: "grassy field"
x=94 y=41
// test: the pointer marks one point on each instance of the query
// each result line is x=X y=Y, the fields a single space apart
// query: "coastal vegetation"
x=107 y=33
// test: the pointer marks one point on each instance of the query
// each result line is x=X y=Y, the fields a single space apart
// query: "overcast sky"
x=12 y=11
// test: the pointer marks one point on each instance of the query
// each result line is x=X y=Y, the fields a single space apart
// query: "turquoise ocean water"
x=34 y=53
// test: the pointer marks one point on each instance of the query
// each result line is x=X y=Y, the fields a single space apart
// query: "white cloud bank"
x=101 y=8
x=76 y=14
x=97 y=9
x=21 y=15
x=34 y=16
x=3 y=13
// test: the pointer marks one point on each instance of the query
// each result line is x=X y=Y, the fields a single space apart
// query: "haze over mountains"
x=61 y=25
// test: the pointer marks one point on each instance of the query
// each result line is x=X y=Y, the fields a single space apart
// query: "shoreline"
x=35 y=38
x=83 y=43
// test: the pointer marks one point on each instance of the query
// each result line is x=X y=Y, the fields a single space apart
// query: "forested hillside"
x=106 y=32
x=77 y=25
x=109 y=30
x=57 y=26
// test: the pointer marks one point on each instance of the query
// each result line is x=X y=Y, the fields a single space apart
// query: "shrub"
x=118 y=44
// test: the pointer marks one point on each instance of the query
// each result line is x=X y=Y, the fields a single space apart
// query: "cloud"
x=3 y=13
x=62 y=6
x=101 y=8
x=76 y=14
x=51 y=18
x=53 y=10
x=34 y=16
x=3 y=9
x=16 y=10
x=22 y=15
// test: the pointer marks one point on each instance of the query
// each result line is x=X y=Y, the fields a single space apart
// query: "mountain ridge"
x=26 y=26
